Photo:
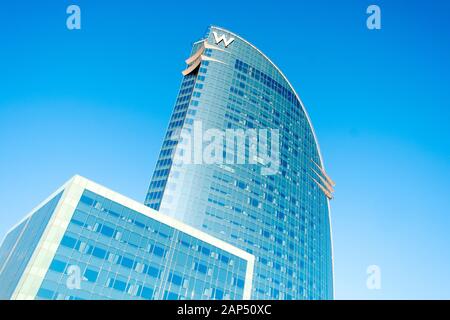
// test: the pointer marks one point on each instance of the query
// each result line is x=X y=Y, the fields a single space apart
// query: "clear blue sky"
x=97 y=102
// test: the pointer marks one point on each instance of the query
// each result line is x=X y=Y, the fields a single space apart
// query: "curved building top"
x=245 y=49
x=229 y=47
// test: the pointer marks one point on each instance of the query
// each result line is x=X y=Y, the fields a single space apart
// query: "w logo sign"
x=218 y=39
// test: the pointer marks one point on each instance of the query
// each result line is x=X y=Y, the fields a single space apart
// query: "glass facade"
x=20 y=244
x=113 y=250
x=283 y=218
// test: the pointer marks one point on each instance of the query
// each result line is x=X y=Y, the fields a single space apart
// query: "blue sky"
x=97 y=101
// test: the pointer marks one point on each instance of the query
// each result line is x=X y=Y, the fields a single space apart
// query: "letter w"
x=226 y=41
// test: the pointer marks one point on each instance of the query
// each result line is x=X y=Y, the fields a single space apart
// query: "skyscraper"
x=88 y=242
x=274 y=206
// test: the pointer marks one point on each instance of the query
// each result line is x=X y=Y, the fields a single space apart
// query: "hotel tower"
x=279 y=211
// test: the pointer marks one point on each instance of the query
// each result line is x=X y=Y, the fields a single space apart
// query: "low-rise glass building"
x=88 y=242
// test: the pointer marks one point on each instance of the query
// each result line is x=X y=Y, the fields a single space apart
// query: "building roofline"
x=286 y=79
x=39 y=206
x=173 y=223
x=156 y=215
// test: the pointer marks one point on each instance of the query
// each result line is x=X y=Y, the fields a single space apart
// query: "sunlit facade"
x=283 y=219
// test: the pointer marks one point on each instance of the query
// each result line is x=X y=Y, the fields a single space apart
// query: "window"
x=45 y=294
x=58 y=266
x=224 y=258
x=170 y=296
x=127 y=263
x=91 y=275
x=147 y=293
x=200 y=268
x=153 y=272
x=107 y=231
x=206 y=251
x=175 y=279
x=68 y=242
x=218 y=294
x=87 y=200
x=118 y=285
x=158 y=251
x=99 y=253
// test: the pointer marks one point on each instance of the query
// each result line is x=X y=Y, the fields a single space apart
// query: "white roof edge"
x=151 y=213
x=41 y=204
x=290 y=85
